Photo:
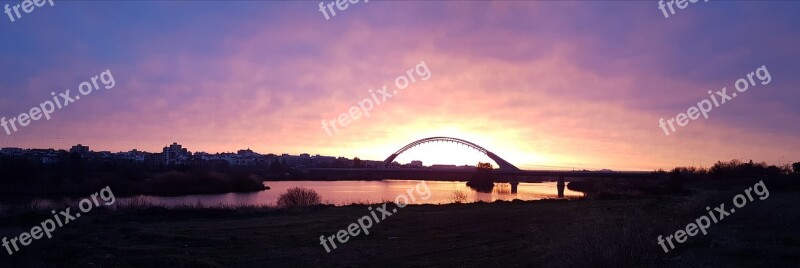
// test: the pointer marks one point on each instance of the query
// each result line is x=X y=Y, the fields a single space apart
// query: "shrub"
x=298 y=197
x=458 y=197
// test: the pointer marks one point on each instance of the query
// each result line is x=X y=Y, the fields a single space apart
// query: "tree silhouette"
x=357 y=163
x=482 y=180
x=482 y=165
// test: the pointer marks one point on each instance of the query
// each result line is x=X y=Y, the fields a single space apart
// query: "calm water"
x=348 y=192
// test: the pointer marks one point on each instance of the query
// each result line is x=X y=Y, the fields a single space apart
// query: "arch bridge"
x=501 y=163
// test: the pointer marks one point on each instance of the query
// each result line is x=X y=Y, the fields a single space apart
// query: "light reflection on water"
x=368 y=192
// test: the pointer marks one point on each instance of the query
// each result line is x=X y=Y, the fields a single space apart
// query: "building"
x=175 y=154
x=266 y=160
x=444 y=167
x=323 y=161
x=133 y=155
x=44 y=156
x=415 y=164
x=12 y=151
x=241 y=158
x=297 y=160
x=247 y=153
x=79 y=149
x=244 y=158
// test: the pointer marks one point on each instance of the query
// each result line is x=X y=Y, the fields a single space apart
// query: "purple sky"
x=543 y=84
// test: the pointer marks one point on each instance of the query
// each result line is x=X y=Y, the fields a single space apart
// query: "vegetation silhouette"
x=785 y=177
x=73 y=174
x=299 y=197
x=458 y=197
x=483 y=179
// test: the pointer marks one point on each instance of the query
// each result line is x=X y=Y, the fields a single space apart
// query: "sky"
x=542 y=84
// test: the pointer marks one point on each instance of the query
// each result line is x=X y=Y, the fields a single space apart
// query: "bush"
x=458 y=197
x=298 y=197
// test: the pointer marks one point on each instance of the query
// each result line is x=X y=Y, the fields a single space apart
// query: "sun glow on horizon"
x=506 y=145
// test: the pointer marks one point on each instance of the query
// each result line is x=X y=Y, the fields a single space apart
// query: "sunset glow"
x=374 y=133
x=264 y=76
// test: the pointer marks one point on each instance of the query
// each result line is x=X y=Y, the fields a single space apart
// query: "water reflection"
x=371 y=192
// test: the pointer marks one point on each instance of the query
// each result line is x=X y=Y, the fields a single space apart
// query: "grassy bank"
x=597 y=233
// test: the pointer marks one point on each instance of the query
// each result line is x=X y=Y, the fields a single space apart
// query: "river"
x=366 y=192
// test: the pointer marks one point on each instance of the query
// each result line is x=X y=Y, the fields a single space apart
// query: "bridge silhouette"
x=501 y=163
x=505 y=169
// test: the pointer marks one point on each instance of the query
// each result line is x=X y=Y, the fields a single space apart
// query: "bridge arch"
x=501 y=163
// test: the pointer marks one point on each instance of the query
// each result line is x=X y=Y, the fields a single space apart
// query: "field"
x=550 y=233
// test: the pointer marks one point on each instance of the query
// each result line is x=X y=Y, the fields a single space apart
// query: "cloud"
x=551 y=84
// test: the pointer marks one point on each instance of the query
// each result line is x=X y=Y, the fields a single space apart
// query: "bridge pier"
x=560 y=185
x=514 y=185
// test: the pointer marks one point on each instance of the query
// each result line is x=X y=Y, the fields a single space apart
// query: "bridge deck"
x=520 y=173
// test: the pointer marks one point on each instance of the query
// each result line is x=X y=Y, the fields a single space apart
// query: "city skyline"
x=175 y=153
x=410 y=161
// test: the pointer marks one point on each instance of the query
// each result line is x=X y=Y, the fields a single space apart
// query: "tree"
x=357 y=163
x=796 y=167
x=298 y=197
x=482 y=165
x=482 y=180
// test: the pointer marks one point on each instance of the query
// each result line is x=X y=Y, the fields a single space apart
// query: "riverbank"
x=553 y=233
x=165 y=184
